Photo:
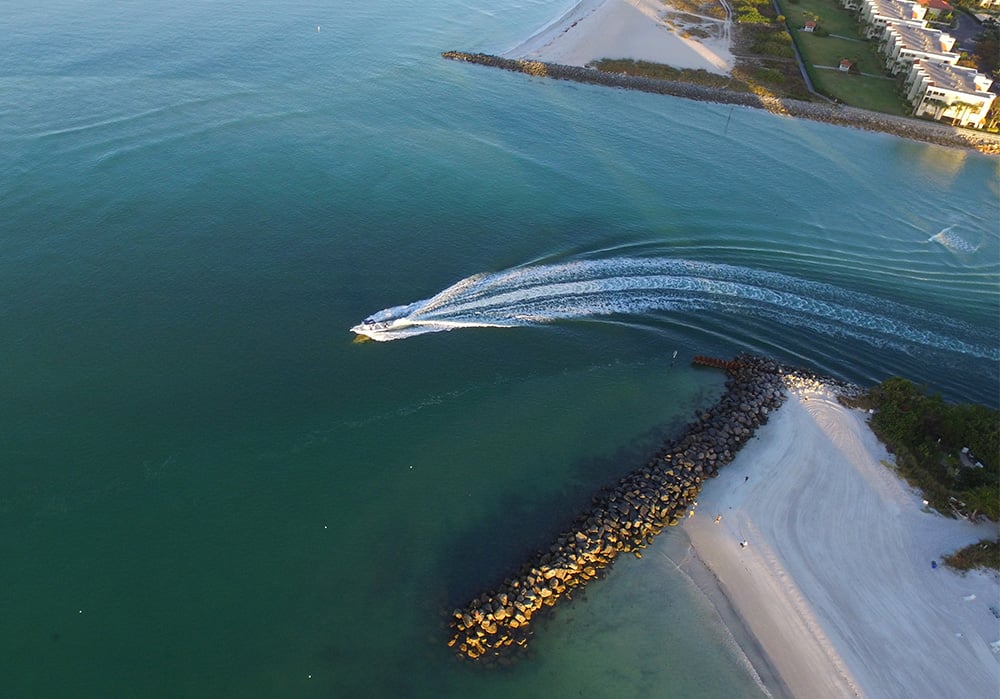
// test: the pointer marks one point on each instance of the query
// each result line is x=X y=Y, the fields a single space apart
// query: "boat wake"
x=953 y=241
x=533 y=295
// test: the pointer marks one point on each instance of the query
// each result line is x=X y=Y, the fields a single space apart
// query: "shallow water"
x=208 y=489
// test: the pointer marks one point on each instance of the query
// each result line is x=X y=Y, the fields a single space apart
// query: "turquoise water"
x=207 y=489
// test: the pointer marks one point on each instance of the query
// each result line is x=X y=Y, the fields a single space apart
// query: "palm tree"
x=992 y=120
x=938 y=104
x=963 y=108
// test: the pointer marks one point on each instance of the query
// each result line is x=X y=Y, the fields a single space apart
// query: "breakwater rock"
x=911 y=128
x=625 y=518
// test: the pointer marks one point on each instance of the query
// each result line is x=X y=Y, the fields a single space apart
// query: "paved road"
x=965 y=31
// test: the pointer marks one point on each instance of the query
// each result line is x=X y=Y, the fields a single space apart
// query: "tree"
x=936 y=103
x=982 y=501
x=988 y=48
x=967 y=61
x=992 y=121
x=962 y=109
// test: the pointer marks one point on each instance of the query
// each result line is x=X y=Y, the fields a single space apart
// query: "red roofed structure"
x=936 y=8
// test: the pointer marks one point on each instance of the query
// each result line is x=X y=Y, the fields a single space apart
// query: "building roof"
x=955 y=78
x=921 y=38
x=896 y=9
x=939 y=5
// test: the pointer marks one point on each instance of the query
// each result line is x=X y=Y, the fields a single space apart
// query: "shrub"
x=773 y=43
x=751 y=16
x=768 y=75
x=927 y=436
x=983 y=554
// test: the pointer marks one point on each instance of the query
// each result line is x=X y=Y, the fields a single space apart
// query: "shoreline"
x=624 y=518
x=819 y=561
x=759 y=663
x=838 y=115
x=640 y=29
x=839 y=608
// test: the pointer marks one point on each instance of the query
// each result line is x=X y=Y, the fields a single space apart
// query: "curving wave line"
x=953 y=241
x=531 y=295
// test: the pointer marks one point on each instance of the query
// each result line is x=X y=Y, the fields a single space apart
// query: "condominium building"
x=949 y=92
x=876 y=14
x=902 y=44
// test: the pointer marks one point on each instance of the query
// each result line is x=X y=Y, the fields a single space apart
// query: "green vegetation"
x=765 y=62
x=665 y=72
x=837 y=36
x=974 y=7
x=764 y=45
x=708 y=8
x=827 y=51
x=993 y=116
x=827 y=14
x=759 y=77
x=928 y=435
x=876 y=94
x=753 y=11
x=774 y=42
x=988 y=50
x=983 y=554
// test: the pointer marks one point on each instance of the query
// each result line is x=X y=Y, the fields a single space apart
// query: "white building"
x=903 y=44
x=948 y=92
x=876 y=14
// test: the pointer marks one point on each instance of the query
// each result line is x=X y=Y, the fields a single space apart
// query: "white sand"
x=635 y=29
x=836 y=582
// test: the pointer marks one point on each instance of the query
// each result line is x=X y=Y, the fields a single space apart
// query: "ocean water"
x=207 y=488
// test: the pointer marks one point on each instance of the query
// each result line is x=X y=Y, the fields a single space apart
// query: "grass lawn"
x=832 y=17
x=858 y=91
x=827 y=51
x=877 y=94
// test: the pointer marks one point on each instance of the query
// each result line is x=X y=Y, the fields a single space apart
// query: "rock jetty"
x=911 y=128
x=625 y=518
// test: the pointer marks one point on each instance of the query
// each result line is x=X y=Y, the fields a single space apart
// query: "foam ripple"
x=537 y=294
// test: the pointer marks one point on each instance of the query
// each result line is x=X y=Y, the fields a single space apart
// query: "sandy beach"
x=639 y=29
x=835 y=582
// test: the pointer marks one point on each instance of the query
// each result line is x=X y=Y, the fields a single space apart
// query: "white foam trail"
x=953 y=241
x=544 y=293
